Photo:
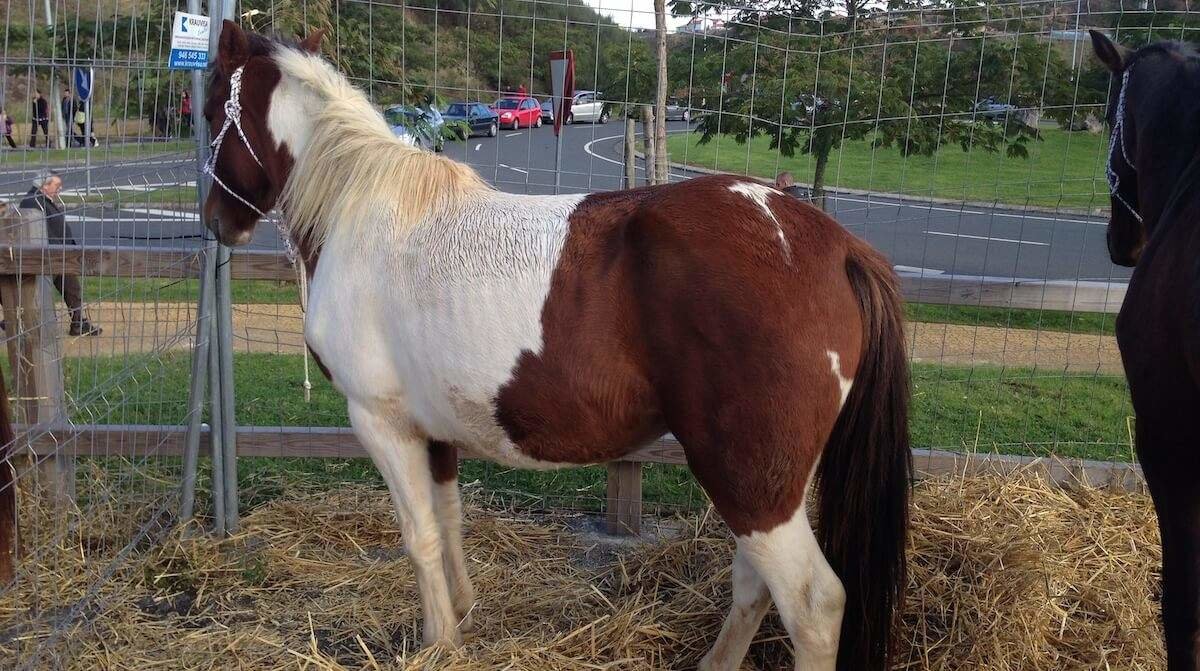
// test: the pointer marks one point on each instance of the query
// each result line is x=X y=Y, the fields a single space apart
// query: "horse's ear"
x=1111 y=54
x=233 y=50
x=312 y=43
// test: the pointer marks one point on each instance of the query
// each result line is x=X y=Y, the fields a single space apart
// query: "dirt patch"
x=143 y=327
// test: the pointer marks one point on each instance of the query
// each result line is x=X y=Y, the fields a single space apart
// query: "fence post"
x=624 y=500
x=36 y=355
x=648 y=144
x=630 y=152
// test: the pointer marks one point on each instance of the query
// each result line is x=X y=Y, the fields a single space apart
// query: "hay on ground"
x=1006 y=574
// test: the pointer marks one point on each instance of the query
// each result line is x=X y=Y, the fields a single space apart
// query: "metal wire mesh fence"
x=964 y=140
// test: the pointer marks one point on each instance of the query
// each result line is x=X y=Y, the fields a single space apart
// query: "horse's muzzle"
x=229 y=231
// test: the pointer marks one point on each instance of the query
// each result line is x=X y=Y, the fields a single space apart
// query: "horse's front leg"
x=443 y=460
x=402 y=456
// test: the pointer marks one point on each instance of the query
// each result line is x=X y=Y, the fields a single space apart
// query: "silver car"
x=548 y=110
x=418 y=126
x=588 y=106
x=677 y=111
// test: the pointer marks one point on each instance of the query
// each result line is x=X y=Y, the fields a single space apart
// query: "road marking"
x=511 y=134
x=880 y=200
x=984 y=237
x=917 y=270
x=166 y=215
x=478 y=145
x=505 y=165
x=587 y=148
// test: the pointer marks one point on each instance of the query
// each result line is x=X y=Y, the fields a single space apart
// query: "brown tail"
x=8 y=490
x=865 y=474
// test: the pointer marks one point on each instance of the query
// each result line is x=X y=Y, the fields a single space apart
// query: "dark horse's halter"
x=1118 y=139
x=233 y=117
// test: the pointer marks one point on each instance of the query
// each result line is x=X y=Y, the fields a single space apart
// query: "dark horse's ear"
x=312 y=43
x=233 y=50
x=1112 y=55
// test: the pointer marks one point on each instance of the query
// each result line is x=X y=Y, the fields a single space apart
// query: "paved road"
x=917 y=236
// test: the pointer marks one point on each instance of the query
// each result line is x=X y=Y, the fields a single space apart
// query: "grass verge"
x=1063 y=169
x=41 y=156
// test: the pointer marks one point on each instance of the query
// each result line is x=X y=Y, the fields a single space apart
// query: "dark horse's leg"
x=1172 y=468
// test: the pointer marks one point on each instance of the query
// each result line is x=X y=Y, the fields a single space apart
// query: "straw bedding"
x=1006 y=574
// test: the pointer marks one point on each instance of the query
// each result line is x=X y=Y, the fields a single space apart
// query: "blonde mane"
x=354 y=167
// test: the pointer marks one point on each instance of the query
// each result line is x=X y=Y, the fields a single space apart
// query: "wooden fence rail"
x=624 y=486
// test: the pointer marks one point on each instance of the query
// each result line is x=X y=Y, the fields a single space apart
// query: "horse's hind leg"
x=402 y=457
x=806 y=591
x=750 y=602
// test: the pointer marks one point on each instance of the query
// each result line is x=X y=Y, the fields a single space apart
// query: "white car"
x=588 y=106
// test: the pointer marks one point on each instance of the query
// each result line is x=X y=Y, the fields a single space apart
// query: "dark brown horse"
x=1154 y=179
x=546 y=331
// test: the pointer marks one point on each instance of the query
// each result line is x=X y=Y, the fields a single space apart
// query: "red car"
x=517 y=111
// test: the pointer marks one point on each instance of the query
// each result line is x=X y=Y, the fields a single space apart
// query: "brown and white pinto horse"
x=1154 y=180
x=547 y=331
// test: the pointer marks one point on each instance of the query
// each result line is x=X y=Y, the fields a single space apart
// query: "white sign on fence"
x=189 y=42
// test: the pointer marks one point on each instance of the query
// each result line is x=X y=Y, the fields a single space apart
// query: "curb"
x=1033 y=209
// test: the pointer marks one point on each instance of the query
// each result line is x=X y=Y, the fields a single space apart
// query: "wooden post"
x=624 y=501
x=630 y=152
x=661 y=175
x=37 y=367
x=648 y=143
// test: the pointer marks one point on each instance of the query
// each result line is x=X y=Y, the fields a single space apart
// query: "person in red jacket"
x=185 y=111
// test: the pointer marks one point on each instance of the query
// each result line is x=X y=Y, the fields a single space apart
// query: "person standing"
x=68 y=110
x=81 y=122
x=185 y=111
x=8 y=128
x=39 y=116
x=44 y=196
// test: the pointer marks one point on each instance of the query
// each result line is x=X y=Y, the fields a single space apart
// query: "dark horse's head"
x=1153 y=109
x=249 y=165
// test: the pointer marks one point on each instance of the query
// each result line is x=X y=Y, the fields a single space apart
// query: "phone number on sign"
x=191 y=55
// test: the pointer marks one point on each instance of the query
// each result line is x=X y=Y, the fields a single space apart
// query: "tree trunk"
x=818 y=187
x=660 y=97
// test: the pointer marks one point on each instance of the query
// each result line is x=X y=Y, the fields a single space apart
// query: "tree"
x=809 y=78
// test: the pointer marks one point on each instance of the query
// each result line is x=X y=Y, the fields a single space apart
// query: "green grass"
x=41 y=156
x=981 y=409
x=168 y=290
x=1064 y=169
x=1034 y=320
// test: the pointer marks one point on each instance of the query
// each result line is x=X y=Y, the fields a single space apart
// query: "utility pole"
x=56 y=106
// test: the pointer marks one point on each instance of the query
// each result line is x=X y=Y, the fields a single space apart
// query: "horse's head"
x=1153 y=136
x=251 y=159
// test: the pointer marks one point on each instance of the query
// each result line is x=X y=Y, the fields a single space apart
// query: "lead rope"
x=1117 y=139
x=233 y=117
x=297 y=262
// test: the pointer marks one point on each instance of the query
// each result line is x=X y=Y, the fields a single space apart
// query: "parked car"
x=419 y=126
x=677 y=111
x=988 y=108
x=478 y=118
x=548 y=110
x=588 y=106
x=517 y=111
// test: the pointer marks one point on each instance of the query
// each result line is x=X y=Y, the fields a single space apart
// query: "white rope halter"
x=1117 y=139
x=233 y=117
